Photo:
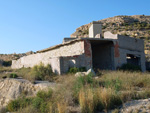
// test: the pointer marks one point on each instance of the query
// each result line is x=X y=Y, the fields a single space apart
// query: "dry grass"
x=125 y=80
x=86 y=100
x=106 y=96
x=108 y=91
x=28 y=109
x=62 y=107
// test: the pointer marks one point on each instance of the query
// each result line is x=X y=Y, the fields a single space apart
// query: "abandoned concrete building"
x=109 y=52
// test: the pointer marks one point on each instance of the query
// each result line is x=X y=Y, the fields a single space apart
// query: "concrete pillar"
x=95 y=30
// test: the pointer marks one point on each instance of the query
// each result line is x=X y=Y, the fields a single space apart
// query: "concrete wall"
x=127 y=45
x=95 y=29
x=77 y=54
x=76 y=48
x=74 y=61
x=131 y=43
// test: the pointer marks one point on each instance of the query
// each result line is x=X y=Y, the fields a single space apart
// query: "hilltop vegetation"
x=135 y=26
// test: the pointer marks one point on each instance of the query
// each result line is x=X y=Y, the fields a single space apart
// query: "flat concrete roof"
x=75 y=40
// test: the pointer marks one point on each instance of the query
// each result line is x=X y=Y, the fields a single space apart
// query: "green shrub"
x=41 y=71
x=7 y=63
x=44 y=107
x=74 y=70
x=113 y=83
x=37 y=101
x=81 y=82
x=130 y=67
x=45 y=94
x=13 y=106
x=13 y=75
x=19 y=103
x=40 y=104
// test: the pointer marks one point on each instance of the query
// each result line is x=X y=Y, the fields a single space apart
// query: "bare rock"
x=80 y=74
x=11 y=89
x=91 y=71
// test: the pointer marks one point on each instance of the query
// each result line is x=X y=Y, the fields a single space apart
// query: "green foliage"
x=41 y=71
x=130 y=67
x=85 y=32
x=113 y=83
x=45 y=95
x=44 y=107
x=106 y=92
x=81 y=82
x=19 y=103
x=37 y=101
x=74 y=70
x=13 y=75
x=7 y=63
x=13 y=106
x=40 y=101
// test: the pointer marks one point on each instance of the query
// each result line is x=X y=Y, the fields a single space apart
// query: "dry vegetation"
x=88 y=94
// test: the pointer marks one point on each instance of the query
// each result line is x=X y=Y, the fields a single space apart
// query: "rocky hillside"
x=135 y=26
x=9 y=57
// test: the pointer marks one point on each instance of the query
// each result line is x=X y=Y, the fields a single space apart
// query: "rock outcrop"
x=11 y=89
x=134 y=26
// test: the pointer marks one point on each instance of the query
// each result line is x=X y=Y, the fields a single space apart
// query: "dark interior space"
x=102 y=55
x=133 y=59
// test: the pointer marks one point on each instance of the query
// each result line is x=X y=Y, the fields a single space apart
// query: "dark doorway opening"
x=102 y=55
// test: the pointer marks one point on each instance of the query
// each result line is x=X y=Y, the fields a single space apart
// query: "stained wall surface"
x=79 y=53
x=127 y=45
x=60 y=58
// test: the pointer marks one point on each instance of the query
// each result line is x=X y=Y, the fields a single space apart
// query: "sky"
x=32 y=25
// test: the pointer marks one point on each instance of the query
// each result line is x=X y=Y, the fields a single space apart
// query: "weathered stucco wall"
x=76 y=48
x=130 y=43
x=127 y=45
x=78 y=53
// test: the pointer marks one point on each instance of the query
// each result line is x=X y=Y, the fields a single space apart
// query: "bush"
x=37 y=101
x=26 y=74
x=130 y=67
x=15 y=105
x=41 y=71
x=7 y=63
x=13 y=75
x=81 y=82
x=45 y=94
x=113 y=83
x=74 y=70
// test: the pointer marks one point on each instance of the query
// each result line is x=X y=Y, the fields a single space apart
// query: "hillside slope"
x=135 y=26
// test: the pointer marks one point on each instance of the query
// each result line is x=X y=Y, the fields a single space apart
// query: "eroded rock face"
x=11 y=89
x=136 y=106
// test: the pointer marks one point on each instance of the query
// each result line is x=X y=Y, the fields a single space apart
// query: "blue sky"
x=27 y=25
